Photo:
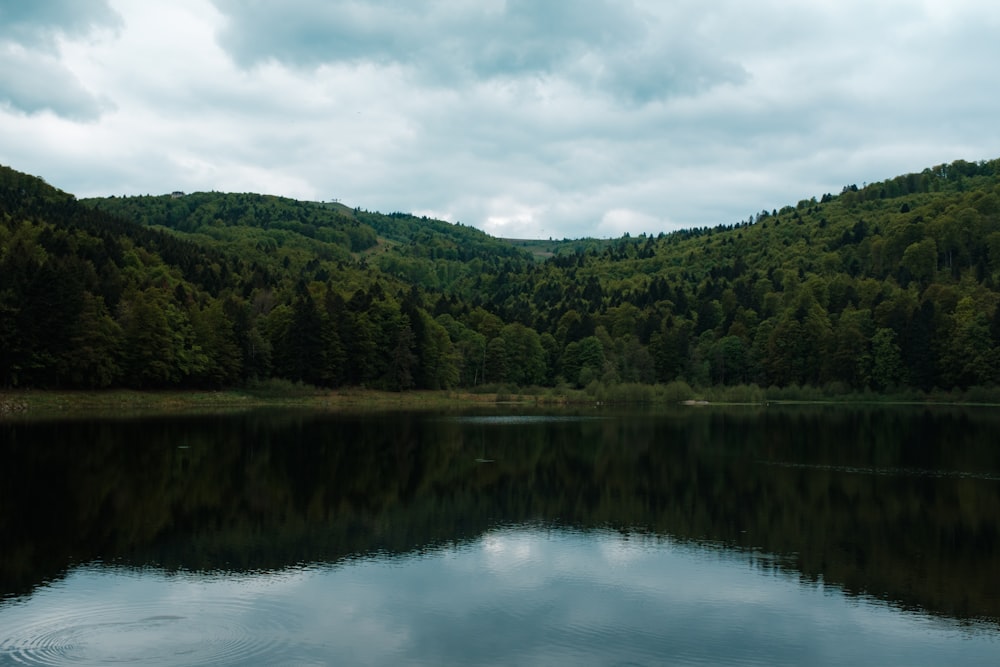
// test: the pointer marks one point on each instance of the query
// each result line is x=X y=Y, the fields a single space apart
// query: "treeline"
x=887 y=287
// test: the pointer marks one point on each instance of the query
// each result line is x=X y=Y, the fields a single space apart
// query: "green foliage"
x=887 y=362
x=674 y=392
x=891 y=287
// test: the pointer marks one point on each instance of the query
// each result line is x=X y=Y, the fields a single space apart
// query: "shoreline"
x=33 y=403
x=49 y=404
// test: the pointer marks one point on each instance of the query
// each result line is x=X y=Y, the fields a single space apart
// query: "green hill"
x=888 y=287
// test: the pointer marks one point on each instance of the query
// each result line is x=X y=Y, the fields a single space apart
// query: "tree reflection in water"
x=899 y=503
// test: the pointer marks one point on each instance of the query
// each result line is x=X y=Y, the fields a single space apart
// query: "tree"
x=888 y=371
x=150 y=347
x=404 y=360
x=334 y=314
x=94 y=346
x=729 y=361
x=583 y=361
x=572 y=327
x=919 y=348
x=439 y=359
x=469 y=349
x=968 y=359
x=301 y=346
x=849 y=359
x=10 y=337
x=525 y=363
x=920 y=260
x=798 y=344
x=359 y=334
x=669 y=348
x=635 y=363
x=495 y=364
x=51 y=304
x=216 y=336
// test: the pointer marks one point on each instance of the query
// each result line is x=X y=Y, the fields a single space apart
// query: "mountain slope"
x=886 y=287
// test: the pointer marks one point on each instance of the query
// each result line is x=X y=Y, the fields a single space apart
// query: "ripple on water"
x=520 y=420
x=202 y=633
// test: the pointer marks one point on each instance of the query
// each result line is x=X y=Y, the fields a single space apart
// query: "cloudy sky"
x=526 y=118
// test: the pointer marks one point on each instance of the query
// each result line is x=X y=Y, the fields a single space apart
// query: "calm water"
x=699 y=536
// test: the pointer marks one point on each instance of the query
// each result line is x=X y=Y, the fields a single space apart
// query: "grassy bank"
x=36 y=403
x=43 y=403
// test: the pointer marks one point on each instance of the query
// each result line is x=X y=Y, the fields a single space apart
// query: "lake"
x=727 y=536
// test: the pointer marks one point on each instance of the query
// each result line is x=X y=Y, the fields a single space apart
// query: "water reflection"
x=520 y=595
x=583 y=515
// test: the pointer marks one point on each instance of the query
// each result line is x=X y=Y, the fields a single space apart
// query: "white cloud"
x=522 y=118
x=35 y=76
x=619 y=221
x=20 y=74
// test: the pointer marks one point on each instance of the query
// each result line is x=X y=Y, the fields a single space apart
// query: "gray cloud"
x=20 y=74
x=35 y=24
x=598 y=45
x=526 y=118
x=32 y=77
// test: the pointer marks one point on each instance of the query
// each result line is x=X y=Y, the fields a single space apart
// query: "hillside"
x=887 y=287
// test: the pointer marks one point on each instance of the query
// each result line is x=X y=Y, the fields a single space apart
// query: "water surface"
x=739 y=536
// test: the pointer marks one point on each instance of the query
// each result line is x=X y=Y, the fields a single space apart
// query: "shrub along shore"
x=279 y=394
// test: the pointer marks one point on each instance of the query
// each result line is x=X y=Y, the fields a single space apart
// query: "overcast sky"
x=526 y=118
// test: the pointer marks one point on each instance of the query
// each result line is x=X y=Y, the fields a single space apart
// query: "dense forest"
x=888 y=287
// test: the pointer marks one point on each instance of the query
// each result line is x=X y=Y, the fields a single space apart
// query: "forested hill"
x=328 y=229
x=885 y=287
